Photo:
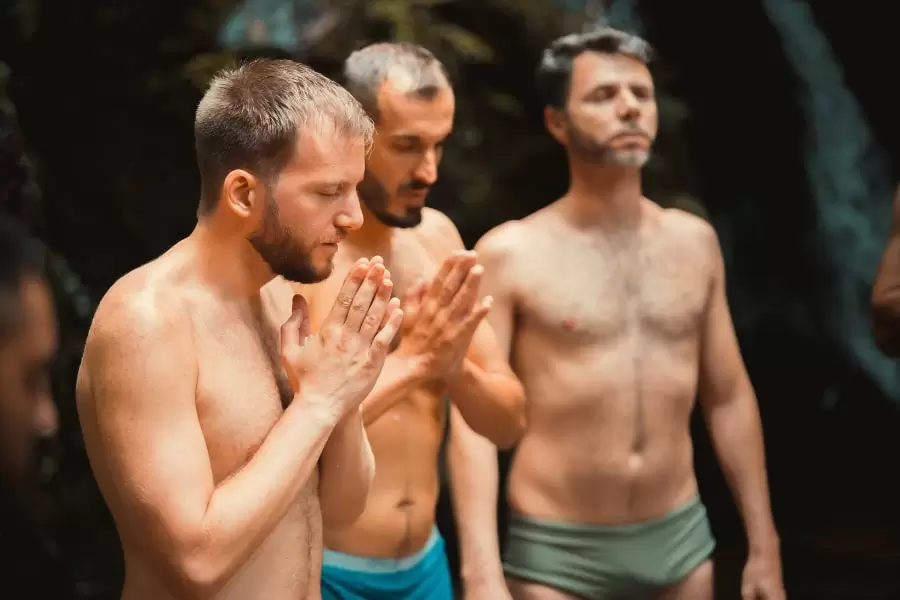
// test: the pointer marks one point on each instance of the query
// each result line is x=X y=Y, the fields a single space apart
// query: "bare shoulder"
x=138 y=314
x=438 y=233
x=502 y=243
x=684 y=227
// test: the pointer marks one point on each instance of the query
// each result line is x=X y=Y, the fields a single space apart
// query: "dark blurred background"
x=779 y=127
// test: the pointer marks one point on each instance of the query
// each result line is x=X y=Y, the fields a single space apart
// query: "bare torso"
x=240 y=393
x=406 y=439
x=607 y=344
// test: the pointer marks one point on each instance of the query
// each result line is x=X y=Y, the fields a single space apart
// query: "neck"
x=373 y=235
x=601 y=194
x=226 y=262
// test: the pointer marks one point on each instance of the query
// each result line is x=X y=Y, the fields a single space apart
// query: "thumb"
x=412 y=299
x=296 y=329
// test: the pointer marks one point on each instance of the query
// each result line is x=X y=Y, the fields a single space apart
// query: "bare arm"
x=401 y=376
x=137 y=406
x=886 y=291
x=347 y=470
x=473 y=463
x=732 y=415
x=489 y=396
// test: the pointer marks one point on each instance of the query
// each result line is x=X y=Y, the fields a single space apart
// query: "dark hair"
x=367 y=68
x=21 y=256
x=250 y=115
x=554 y=74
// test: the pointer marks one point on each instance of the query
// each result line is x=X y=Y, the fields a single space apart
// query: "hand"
x=762 y=577
x=486 y=589
x=341 y=363
x=441 y=317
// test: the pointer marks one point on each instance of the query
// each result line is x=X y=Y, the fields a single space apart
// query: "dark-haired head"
x=27 y=347
x=407 y=91
x=599 y=96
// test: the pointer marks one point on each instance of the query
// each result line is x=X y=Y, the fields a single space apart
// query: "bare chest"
x=241 y=391
x=592 y=293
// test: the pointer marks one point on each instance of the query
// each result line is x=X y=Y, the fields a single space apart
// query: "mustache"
x=339 y=237
x=631 y=130
x=413 y=185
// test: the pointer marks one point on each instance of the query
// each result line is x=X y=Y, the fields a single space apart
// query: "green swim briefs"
x=605 y=562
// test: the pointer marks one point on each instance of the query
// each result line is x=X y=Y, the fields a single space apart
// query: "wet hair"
x=554 y=73
x=21 y=257
x=367 y=68
x=250 y=116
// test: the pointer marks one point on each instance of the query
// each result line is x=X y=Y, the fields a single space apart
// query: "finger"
x=378 y=312
x=465 y=300
x=338 y=313
x=478 y=313
x=296 y=329
x=364 y=296
x=382 y=341
x=454 y=281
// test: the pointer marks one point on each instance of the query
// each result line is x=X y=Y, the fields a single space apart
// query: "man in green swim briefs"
x=614 y=314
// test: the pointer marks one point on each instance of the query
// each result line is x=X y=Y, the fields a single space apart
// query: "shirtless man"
x=886 y=292
x=394 y=550
x=220 y=443
x=614 y=313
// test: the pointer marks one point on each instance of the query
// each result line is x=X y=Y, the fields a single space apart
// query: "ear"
x=555 y=121
x=242 y=192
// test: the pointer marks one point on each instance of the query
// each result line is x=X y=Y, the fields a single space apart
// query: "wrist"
x=764 y=543
x=481 y=574
x=321 y=409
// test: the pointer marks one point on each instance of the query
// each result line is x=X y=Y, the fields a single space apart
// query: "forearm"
x=474 y=479
x=245 y=509
x=493 y=404
x=400 y=376
x=346 y=471
x=736 y=433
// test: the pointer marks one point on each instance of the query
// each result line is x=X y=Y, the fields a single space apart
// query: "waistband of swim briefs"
x=519 y=523
x=363 y=564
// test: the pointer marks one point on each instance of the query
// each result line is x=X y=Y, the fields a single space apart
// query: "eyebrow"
x=613 y=84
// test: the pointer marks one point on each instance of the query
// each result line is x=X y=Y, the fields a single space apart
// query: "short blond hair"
x=250 y=115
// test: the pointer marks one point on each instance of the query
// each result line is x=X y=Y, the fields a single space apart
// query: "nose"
x=350 y=217
x=427 y=169
x=628 y=106
x=46 y=417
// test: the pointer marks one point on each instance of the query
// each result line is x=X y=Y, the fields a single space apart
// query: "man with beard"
x=614 y=313
x=886 y=292
x=394 y=549
x=220 y=442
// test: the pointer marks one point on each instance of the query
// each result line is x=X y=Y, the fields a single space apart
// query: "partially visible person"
x=394 y=550
x=886 y=291
x=615 y=317
x=28 y=339
x=221 y=432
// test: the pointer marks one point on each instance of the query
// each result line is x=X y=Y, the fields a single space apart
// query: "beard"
x=276 y=245
x=375 y=196
x=602 y=153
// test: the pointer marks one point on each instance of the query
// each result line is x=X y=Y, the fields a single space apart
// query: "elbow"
x=886 y=325
x=199 y=573
x=516 y=428
x=506 y=433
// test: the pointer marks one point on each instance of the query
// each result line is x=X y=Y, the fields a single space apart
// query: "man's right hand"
x=340 y=364
x=441 y=317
